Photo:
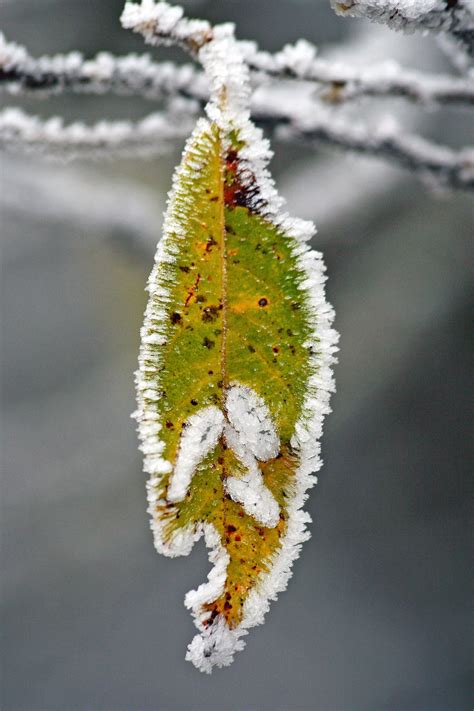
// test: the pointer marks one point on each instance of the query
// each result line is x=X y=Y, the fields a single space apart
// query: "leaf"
x=234 y=375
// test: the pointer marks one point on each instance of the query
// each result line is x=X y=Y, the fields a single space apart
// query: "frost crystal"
x=199 y=438
x=411 y=15
x=250 y=417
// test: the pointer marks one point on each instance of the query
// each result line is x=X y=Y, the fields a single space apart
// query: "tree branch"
x=20 y=73
x=455 y=17
x=163 y=24
x=439 y=164
x=139 y=75
x=342 y=82
x=294 y=116
x=155 y=134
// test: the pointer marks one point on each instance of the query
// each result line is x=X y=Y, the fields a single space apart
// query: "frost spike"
x=235 y=366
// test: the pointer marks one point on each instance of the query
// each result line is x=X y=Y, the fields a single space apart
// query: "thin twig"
x=139 y=75
x=155 y=134
x=455 y=17
x=304 y=120
x=446 y=167
x=133 y=74
x=341 y=82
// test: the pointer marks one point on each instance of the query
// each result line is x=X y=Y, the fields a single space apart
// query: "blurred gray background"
x=377 y=613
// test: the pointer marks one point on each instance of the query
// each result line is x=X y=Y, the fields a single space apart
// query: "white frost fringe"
x=216 y=645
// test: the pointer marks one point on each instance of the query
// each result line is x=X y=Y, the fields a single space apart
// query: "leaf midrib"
x=224 y=275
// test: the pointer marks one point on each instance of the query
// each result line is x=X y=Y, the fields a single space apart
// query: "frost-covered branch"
x=20 y=73
x=300 y=115
x=455 y=17
x=163 y=24
x=160 y=23
x=341 y=81
x=155 y=134
x=442 y=165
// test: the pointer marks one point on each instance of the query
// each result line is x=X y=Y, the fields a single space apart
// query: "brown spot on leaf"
x=210 y=313
x=211 y=242
x=175 y=317
x=263 y=302
x=207 y=343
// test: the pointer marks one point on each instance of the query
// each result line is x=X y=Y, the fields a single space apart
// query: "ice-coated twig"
x=455 y=17
x=440 y=164
x=155 y=134
x=340 y=81
x=152 y=135
x=20 y=73
x=162 y=24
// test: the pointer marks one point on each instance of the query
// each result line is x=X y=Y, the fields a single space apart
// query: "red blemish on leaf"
x=192 y=290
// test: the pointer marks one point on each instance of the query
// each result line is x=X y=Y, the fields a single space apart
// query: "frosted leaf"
x=239 y=373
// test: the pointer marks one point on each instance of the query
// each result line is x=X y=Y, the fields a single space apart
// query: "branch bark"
x=155 y=134
x=455 y=17
x=20 y=73
x=304 y=120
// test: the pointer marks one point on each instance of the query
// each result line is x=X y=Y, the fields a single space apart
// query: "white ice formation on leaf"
x=200 y=436
x=250 y=417
x=251 y=437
